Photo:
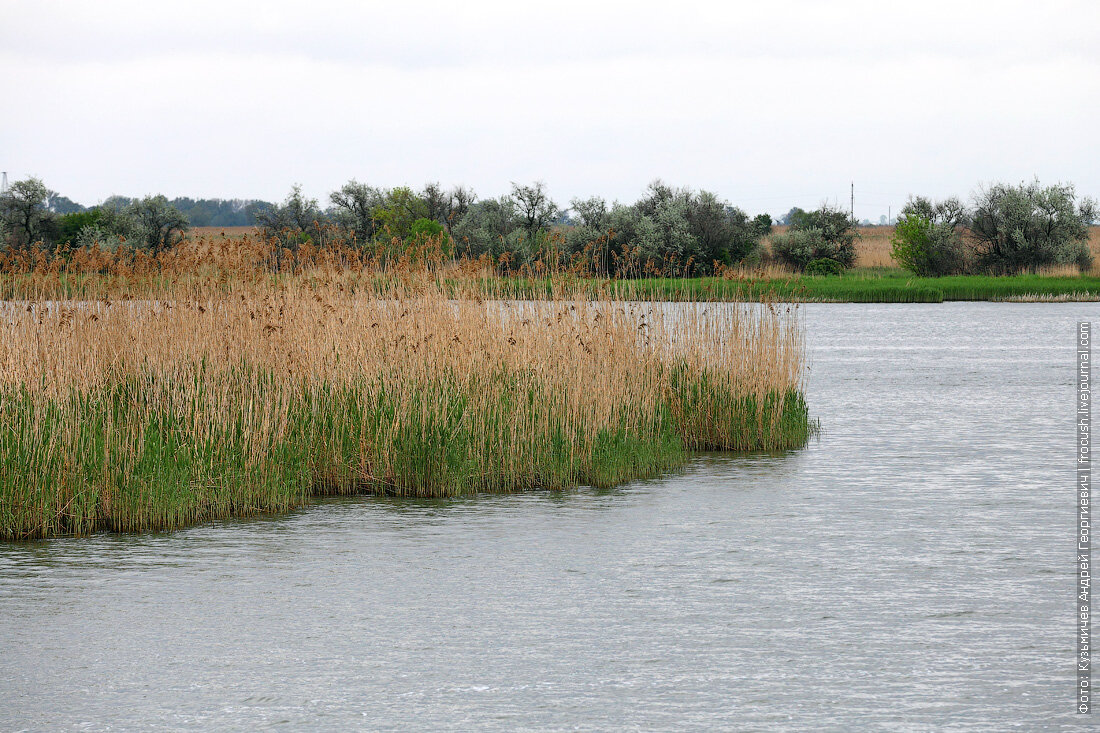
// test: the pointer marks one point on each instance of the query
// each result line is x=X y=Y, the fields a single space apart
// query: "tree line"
x=669 y=230
x=1005 y=229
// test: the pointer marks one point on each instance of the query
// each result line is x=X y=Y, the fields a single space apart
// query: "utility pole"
x=889 y=215
x=852 y=202
x=4 y=182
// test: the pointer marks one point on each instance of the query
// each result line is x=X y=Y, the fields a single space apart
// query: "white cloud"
x=770 y=105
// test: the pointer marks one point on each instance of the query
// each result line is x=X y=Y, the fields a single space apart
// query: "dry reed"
x=219 y=390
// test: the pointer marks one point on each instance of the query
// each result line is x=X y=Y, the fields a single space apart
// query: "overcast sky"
x=770 y=104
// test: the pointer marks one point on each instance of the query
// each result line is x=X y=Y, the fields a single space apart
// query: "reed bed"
x=223 y=394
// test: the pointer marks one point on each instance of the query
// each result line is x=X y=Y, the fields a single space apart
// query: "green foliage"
x=69 y=226
x=1018 y=228
x=430 y=230
x=669 y=229
x=793 y=217
x=485 y=227
x=62 y=205
x=723 y=233
x=161 y=225
x=813 y=235
x=219 y=212
x=113 y=229
x=426 y=228
x=534 y=207
x=355 y=206
x=762 y=225
x=796 y=248
x=24 y=212
x=824 y=266
x=399 y=209
x=296 y=220
x=926 y=244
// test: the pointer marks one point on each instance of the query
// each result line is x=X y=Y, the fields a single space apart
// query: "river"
x=911 y=569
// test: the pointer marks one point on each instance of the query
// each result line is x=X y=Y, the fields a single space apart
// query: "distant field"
x=221 y=232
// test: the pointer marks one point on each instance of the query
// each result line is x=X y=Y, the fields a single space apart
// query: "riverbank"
x=857 y=286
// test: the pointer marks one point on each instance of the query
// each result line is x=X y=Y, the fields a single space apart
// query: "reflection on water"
x=909 y=570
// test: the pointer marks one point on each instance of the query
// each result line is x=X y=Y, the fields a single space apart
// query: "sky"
x=769 y=104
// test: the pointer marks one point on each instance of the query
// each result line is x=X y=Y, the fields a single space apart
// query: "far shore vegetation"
x=1009 y=242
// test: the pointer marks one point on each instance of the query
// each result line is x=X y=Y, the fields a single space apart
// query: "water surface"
x=912 y=569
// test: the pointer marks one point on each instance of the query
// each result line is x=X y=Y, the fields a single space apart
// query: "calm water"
x=910 y=570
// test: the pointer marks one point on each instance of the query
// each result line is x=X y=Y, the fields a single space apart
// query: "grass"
x=237 y=396
x=857 y=286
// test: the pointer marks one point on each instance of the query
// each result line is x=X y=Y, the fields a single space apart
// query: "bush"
x=98 y=236
x=69 y=226
x=293 y=222
x=424 y=230
x=799 y=247
x=928 y=248
x=815 y=235
x=824 y=266
x=1025 y=227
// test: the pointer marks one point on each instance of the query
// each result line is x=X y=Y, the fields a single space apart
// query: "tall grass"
x=229 y=392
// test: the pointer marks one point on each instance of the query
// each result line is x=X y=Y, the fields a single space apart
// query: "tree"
x=459 y=201
x=356 y=204
x=219 y=212
x=663 y=232
x=24 y=212
x=535 y=207
x=486 y=227
x=792 y=217
x=824 y=233
x=724 y=233
x=762 y=223
x=116 y=202
x=435 y=200
x=1028 y=226
x=59 y=204
x=399 y=209
x=162 y=225
x=592 y=212
x=928 y=237
x=297 y=213
x=590 y=233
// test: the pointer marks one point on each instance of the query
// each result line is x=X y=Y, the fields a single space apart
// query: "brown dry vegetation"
x=208 y=233
x=158 y=392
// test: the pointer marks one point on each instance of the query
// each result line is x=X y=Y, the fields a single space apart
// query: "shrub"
x=927 y=239
x=796 y=248
x=824 y=266
x=423 y=231
x=1025 y=227
x=799 y=247
x=297 y=215
x=69 y=226
x=723 y=233
x=162 y=225
x=762 y=225
x=98 y=236
x=814 y=235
